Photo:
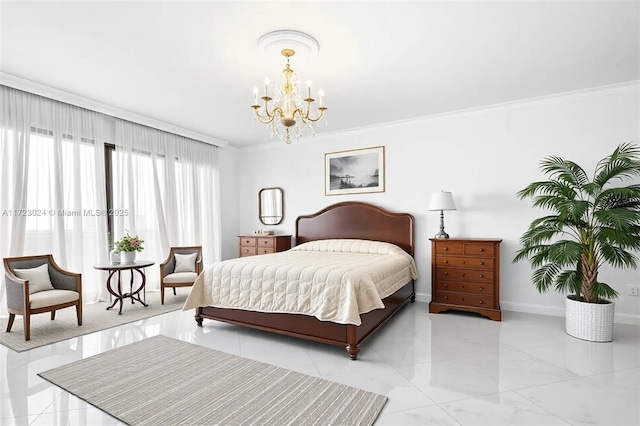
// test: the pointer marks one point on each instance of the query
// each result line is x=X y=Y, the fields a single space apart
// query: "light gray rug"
x=163 y=381
x=95 y=317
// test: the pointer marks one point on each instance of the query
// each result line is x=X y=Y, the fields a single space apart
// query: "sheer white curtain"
x=168 y=185
x=53 y=192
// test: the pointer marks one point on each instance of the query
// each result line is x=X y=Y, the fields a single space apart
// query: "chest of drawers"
x=251 y=245
x=465 y=276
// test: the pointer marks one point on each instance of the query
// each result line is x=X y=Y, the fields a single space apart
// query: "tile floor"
x=449 y=369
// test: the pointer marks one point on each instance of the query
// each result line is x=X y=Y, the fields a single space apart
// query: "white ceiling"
x=194 y=64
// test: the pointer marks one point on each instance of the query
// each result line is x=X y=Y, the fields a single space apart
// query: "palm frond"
x=567 y=171
x=618 y=257
x=569 y=282
x=544 y=276
x=623 y=163
x=604 y=291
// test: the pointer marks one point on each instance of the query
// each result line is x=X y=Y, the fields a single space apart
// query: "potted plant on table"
x=128 y=246
x=592 y=223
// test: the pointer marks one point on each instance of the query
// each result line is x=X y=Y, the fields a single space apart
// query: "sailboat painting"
x=355 y=171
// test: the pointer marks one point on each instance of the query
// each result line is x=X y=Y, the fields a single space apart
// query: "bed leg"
x=352 y=341
x=198 y=317
x=353 y=351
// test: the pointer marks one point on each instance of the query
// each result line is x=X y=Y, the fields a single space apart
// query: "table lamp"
x=442 y=201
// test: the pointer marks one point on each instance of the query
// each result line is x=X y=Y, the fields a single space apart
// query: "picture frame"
x=356 y=171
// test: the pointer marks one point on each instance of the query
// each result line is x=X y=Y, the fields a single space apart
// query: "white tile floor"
x=449 y=368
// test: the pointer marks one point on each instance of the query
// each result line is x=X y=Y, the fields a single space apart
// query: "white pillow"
x=39 y=279
x=185 y=262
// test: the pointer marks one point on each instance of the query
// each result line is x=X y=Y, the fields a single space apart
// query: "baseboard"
x=530 y=308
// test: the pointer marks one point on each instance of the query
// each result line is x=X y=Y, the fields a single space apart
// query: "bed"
x=347 y=221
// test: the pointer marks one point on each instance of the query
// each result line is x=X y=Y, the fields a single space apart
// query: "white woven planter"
x=589 y=321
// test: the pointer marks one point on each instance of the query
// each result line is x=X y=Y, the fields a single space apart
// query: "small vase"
x=114 y=257
x=128 y=256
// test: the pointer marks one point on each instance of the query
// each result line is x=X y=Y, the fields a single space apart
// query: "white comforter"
x=333 y=280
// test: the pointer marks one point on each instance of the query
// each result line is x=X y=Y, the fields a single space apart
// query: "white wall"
x=484 y=157
x=228 y=160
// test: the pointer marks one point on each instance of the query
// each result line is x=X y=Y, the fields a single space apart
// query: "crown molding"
x=504 y=106
x=36 y=88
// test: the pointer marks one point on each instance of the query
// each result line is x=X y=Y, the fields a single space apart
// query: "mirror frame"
x=281 y=206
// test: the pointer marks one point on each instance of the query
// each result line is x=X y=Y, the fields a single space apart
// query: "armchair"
x=180 y=269
x=34 y=289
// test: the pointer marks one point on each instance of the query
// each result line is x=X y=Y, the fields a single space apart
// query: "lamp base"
x=441 y=234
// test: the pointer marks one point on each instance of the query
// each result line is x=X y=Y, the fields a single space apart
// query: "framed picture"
x=357 y=171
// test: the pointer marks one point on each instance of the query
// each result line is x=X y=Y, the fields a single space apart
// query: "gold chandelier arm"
x=268 y=117
x=318 y=118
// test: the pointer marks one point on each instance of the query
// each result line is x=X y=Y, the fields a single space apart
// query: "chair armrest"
x=64 y=280
x=199 y=266
x=167 y=266
x=17 y=291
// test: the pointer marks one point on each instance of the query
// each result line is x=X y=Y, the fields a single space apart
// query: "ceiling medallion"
x=289 y=114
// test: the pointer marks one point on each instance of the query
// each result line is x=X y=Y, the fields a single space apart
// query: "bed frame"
x=343 y=220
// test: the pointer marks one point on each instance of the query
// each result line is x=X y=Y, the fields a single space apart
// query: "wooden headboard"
x=357 y=220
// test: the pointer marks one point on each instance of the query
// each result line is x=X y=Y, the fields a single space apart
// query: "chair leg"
x=10 y=322
x=79 y=313
x=53 y=315
x=26 y=319
x=162 y=294
x=174 y=292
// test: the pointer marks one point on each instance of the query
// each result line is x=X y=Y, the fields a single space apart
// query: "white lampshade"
x=442 y=200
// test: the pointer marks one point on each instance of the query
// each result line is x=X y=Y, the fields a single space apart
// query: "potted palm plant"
x=591 y=223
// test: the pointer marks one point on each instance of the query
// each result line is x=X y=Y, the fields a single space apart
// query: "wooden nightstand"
x=251 y=245
x=465 y=276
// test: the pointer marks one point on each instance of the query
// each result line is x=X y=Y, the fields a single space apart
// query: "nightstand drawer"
x=467 y=262
x=462 y=287
x=449 y=248
x=248 y=241
x=266 y=250
x=461 y=299
x=468 y=275
x=266 y=242
x=479 y=249
x=248 y=251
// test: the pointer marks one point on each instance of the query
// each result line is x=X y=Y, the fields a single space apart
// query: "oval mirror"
x=271 y=206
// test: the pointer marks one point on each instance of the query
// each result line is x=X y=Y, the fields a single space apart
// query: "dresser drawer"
x=248 y=251
x=266 y=242
x=461 y=299
x=462 y=287
x=468 y=262
x=248 y=241
x=266 y=250
x=468 y=275
x=449 y=248
x=479 y=249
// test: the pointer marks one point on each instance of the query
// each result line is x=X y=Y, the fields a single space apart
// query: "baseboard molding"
x=530 y=308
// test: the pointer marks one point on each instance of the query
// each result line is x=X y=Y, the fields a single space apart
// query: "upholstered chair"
x=36 y=284
x=180 y=269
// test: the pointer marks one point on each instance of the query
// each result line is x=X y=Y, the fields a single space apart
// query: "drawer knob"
x=481 y=249
x=446 y=248
x=464 y=275
x=463 y=299
x=482 y=263
x=446 y=297
x=265 y=242
x=446 y=261
x=446 y=273
x=481 y=288
x=446 y=285
x=481 y=275
x=482 y=302
x=464 y=261
x=462 y=286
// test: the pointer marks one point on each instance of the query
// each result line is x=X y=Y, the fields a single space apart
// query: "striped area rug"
x=163 y=381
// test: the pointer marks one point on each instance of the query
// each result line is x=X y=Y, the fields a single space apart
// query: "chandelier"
x=288 y=115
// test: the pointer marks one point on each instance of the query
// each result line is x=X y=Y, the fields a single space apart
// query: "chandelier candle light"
x=287 y=105
x=442 y=201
